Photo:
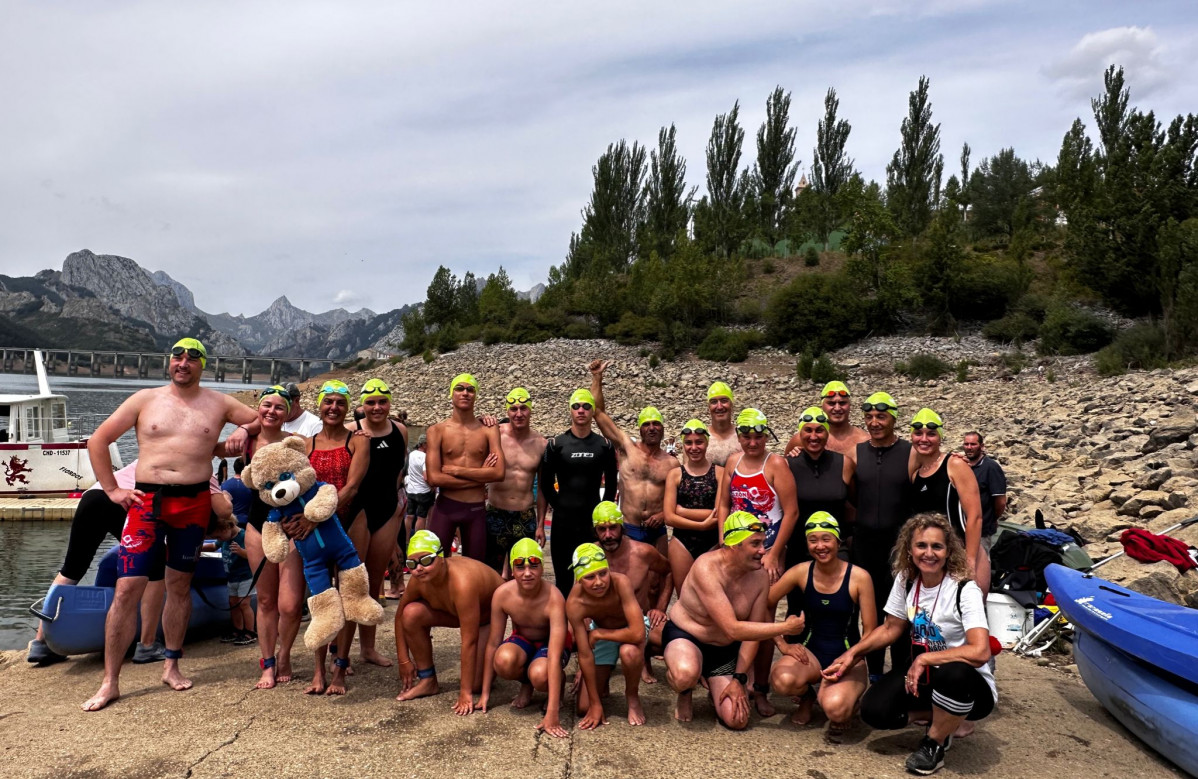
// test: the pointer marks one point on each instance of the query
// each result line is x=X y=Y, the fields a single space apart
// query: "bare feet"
x=267 y=680
x=283 y=674
x=421 y=689
x=524 y=697
x=172 y=678
x=647 y=675
x=317 y=685
x=802 y=714
x=337 y=683
x=964 y=730
x=762 y=701
x=636 y=714
x=104 y=696
x=683 y=709
x=374 y=658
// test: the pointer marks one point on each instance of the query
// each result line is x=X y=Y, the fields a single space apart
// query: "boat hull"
x=48 y=470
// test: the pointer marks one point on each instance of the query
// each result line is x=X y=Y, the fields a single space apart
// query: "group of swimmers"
x=735 y=552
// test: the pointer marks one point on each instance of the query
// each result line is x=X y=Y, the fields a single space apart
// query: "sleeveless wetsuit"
x=831 y=618
x=937 y=494
x=332 y=467
x=379 y=494
x=572 y=470
x=697 y=492
x=753 y=493
x=819 y=486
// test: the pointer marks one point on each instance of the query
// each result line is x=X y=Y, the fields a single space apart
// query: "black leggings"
x=957 y=688
x=871 y=551
x=567 y=532
x=95 y=517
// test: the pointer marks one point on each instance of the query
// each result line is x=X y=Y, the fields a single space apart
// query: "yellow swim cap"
x=881 y=398
x=374 y=387
x=588 y=558
x=423 y=542
x=184 y=344
x=332 y=387
x=649 y=414
x=607 y=513
x=275 y=389
x=740 y=525
x=518 y=395
x=582 y=396
x=834 y=387
x=525 y=548
x=462 y=378
x=695 y=426
x=822 y=522
x=720 y=390
x=814 y=414
x=928 y=418
x=751 y=417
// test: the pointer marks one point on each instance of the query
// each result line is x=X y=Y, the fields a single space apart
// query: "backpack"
x=1018 y=560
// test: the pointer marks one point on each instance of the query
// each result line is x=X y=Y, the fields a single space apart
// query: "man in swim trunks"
x=718 y=620
x=463 y=457
x=444 y=593
x=608 y=624
x=723 y=441
x=300 y=421
x=538 y=614
x=512 y=511
x=843 y=436
x=420 y=495
x=575 y=465
x=644 y=566
x=644 y=466
x=177 y=428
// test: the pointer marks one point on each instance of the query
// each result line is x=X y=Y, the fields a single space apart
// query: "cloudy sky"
x=338 y=152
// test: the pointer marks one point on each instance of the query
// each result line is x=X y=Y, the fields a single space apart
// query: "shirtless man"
x=723 y=440
x=442 y=593
x=512 y=512
x=177 y=428
x=538 y=614
x=607 y=623
x=639 y=562
x=463 y=457
x=843 y=437
x=719 y=619
x=644 y=466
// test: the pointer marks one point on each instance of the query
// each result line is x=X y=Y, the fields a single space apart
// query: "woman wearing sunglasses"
x=831 y=593
x=340 y=458
x=691 y=498
x=824 y=480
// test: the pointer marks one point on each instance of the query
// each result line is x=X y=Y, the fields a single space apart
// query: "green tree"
x=441 y=298
x=467 y=300
x=1179 y=286
x=914 y=173
x=719 y=221
x=831 y=169
x=497 y=299
x=608 y=240
x=999 y=186
x=774 y=172
x=415 y=333
x=941 y=269
x=667 y=201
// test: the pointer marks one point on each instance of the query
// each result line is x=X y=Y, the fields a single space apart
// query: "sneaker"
x=42 y=655
x=927 y=759
x=246 y=638
x=153 y=653
x=230 y=637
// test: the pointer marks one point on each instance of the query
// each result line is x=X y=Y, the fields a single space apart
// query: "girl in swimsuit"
x=340 y=458
x=691 y=498
x=833 y=591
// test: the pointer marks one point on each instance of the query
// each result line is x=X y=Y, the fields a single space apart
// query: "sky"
x=338 y=153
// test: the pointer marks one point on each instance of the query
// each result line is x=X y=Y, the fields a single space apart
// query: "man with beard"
x=644 y=466
x=723 y=441
x=992 y=485
x=512 y=511
x=177 y=428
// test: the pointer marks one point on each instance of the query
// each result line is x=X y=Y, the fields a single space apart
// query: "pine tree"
x=913 y=175
x=774 y=172
x=667 y=201
x=831 y=168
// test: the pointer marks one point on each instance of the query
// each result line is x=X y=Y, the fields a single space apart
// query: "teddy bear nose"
x=281 y=493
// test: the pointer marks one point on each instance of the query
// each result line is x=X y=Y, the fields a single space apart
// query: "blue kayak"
x=73 y=615
x=1162 y=635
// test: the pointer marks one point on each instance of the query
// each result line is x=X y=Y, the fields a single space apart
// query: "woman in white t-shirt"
x=936 y=606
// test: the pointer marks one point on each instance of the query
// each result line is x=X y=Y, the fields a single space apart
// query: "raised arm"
x=607 y=426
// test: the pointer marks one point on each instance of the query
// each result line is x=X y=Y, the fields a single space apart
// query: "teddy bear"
x=286 y=481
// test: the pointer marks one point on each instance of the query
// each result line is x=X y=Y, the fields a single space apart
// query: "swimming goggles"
x=423 y=562
x=821 y=418
x=577 y=406
x=699 y=430
x=831 y=393
x=179 y=351
x=334 y=388
x=823 y=525
x=582 y=562
x=376 y=387
x=531 y=562
x=868 y=407
x=752 y=527
x=746 y=429
x=929 y=425
x=274 y=391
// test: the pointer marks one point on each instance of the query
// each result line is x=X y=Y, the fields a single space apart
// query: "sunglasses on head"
x=834 y=393
x=179 y=351
x=423 y=562
x=929 y=425
x=817 y=418
x=699 y=430
x=822 y=525
x=752 y=527
x=868 y=407
x=594 y=557
x=531 y=562
x=576 y=406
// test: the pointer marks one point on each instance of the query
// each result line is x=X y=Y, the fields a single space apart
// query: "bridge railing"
x=247 y=368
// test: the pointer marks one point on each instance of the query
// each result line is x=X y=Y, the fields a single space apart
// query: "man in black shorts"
x=420 y=495
x=574 y=466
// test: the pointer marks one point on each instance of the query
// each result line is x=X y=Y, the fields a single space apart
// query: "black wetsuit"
x=572 y=471
x=819 y=486
x=883 y=505
x=378 y=495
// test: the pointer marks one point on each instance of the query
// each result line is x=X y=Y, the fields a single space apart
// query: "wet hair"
x=981 y=441
x=955 y=563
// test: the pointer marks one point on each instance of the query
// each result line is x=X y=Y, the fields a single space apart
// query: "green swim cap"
x=649 y=414
x=192 y=343
x=751 y=417
x=526 y=548
x=833 y=386
x=882 y=397
x=928 y=418
x=814 y=414
x=374 y=387
x=607 y=513
x=720 y=390
x=462 y=378
x=332 y=387
x=822 y=522
x=740 y=525
x=275 y=389
x=424 y=542
x=587 y=559
x=582 y=396
x=518 y=395
x=695 y=426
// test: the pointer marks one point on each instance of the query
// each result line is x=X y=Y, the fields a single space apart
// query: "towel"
x=1151 y=548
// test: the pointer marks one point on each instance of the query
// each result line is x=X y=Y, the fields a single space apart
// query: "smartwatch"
x=742 y=678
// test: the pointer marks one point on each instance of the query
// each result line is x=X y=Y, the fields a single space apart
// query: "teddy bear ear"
x=294 y=442
x=247 y=476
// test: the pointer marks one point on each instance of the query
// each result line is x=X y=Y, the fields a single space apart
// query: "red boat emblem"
x=15 y=470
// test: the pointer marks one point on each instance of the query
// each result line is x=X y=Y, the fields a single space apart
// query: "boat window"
x=58 y=415
x=32 y=429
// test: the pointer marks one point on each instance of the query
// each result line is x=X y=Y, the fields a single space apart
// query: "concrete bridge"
x=145 y=365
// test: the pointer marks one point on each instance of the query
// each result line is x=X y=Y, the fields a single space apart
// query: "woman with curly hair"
x=936 y=603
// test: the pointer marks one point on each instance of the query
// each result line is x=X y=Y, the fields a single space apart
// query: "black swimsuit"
x=936 y=494
x=379 y=494
x=697 y=492
x=830 y=618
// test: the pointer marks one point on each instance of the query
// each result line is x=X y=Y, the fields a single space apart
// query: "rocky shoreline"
x=1097 y=455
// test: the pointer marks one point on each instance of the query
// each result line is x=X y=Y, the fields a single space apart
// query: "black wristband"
x=742 y=678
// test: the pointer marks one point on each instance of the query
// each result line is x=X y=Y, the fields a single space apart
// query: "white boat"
x=41 y=448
